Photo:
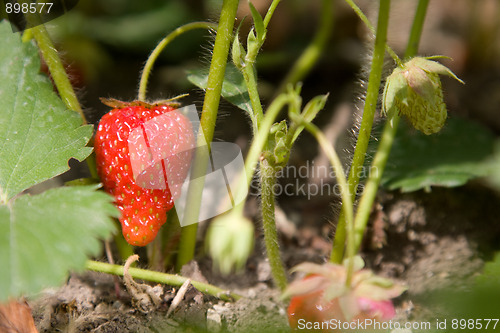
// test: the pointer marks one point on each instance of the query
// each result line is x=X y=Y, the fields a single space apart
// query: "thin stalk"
x=267 y=171
x=416 y=29
x=207 y=124
x=248 y=72
x=311 y=54
x=370 y=190
x=267 y=182
x=330 y=152
x=268 y=179
x=367 y=22
x=161 y=46
x=255 y=152
x=56 y=69
x=388 y=135
x=170 y=279
x=59 y=76
x=270 y=12
x=259 y=142
x=369 y=110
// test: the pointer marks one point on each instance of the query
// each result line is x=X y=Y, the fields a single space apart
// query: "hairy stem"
x=251 y=83
x=388 y=135
x=369 y=110
x=369 y=25
x=60 y=77
x=161 y=46
x=170 y=279
x=267 y=182
x=416 y=29
x=207 y=124
x=347 y=204
x=56 y=69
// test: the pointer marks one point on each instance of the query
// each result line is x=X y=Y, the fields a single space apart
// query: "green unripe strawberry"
x=414 y=90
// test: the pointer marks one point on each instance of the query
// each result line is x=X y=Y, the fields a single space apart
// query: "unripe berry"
x=414 y=90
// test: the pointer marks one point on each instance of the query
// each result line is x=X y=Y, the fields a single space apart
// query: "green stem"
x=311 y=54
x=268 y=179
x=207 y=124
x=367 y=22
x=267 y=182
x=267 y=171
x=159 y=48
x=251 y=83
x=56 y=69
x=170 y=279
x=60 y=77
x=259 y=142
x=416 y=29
x=369 y=110
x=347 y=204
x=270 y=12
x=388 y=135
x=370 y=190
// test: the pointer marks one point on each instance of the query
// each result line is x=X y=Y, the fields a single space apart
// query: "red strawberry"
x=167 y=148
x=322 y=301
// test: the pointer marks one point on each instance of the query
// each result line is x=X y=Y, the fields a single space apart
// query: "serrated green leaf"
x=44 y=236
x=234 y=88
x=460 y=152
x=38 y=135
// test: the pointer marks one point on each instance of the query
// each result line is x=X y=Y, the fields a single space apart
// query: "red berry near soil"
x=143 y=210
x=323 y=301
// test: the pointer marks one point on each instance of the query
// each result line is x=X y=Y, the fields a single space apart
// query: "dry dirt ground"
x=428 y=241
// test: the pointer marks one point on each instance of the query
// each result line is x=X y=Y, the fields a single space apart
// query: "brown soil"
x=428 y=241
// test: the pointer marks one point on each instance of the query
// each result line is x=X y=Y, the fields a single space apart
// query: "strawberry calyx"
x=118 y=104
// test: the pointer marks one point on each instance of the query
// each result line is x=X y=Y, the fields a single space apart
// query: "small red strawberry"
x=159 y=150
x=323 y=300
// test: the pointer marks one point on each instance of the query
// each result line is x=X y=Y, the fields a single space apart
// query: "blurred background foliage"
x=106 y=43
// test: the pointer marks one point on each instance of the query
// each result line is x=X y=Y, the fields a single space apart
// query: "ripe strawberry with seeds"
x=161 y=140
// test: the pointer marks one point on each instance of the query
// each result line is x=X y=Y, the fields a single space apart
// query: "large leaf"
x=234 y=88
x=458 y=153
x=38 y=135
x=42 y=237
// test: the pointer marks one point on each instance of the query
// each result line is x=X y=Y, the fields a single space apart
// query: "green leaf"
x=38 y=135
x=310 y=111
x=434 y=67
x=234 y=88
x=460 y=152
x=44 y=236
x=258 y=23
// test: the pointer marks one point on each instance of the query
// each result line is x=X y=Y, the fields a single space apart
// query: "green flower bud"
x=230 y=241
x=415 y=91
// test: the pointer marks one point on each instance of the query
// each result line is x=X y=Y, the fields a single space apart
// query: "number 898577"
x=25 y=8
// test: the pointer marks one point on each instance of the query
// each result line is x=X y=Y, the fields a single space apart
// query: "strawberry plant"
x=141 y=150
